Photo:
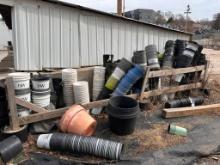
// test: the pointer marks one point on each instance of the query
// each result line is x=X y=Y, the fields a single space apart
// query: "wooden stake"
x=144 y=83
x=13 y=115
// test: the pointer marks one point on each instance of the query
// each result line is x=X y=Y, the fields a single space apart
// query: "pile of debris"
x=113 y=81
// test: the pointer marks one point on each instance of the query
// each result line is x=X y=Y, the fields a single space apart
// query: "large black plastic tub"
x=122 y=113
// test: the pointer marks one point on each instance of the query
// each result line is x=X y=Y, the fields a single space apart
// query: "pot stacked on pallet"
x=169 y=54
x=121 y=69
x=69 y=76
x=21 y=81
x=80 y=144
x=98 y=81
x=81 y=92
x=41 y=91
x=140 y=58
x=128 y=81
x=151 y=51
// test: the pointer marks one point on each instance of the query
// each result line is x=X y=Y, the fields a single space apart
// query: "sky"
x=201 y=9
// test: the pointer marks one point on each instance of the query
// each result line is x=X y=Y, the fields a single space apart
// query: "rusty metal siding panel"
x=54 y=36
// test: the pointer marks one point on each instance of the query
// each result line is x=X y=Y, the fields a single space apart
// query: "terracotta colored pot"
x=67 y=117
x=77 y=121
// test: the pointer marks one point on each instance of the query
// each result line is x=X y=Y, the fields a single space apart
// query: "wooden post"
x=205 y=73
x=144 y=83
x=13 y=115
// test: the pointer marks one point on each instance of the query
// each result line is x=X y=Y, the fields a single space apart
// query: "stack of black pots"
x=122 y=113
x=169 y=54
x=152 y=59
x=184 y=102
x=3 y=108
x=140 y=58
x=185 y=58
x=10 y=148
x=81 y=145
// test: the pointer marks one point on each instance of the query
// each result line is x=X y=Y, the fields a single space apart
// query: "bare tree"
x=216 y=22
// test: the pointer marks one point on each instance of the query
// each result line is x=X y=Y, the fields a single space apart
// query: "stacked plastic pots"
x=69 y=76
x=121 y=69
x=128 y=81
x=169 y=54
x=184 y=102
x=122 y=113
x=41 y=90
x=80 y=144
x=98 y=81
x=21 y=81
x=140 y=58
x=81 y=92
x=185 y=59
x=76 y=120
x=151 y=51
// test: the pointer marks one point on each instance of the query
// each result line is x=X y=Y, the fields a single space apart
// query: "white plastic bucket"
x=21 y=80
x=25 y=97
x=41 y=101
x=41 y=98
x=40 y=83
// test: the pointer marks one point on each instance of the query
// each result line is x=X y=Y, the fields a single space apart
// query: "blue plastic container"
x=129 y=80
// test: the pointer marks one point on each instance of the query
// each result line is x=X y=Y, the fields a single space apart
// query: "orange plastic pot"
x=77 y=121
x=67 y=117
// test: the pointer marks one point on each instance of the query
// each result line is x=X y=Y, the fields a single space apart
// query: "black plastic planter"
x=3 y=104
x=22 y=134
x=81 y=145
x=169 y=54
x=184 y=102
x=9 y=148
x=122 y=112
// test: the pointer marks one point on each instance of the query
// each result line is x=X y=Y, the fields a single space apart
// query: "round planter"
x=72 y=120
x=122 y=112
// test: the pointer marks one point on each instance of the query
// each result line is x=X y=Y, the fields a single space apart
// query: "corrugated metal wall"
x=53 y=36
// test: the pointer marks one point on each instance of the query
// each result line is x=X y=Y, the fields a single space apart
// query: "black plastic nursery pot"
x=9 y=148
x=122 y=113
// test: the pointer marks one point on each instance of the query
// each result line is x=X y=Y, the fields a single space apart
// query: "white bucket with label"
x=41 y=98
x=21 y=80
x=40 y=83
x=26 y=96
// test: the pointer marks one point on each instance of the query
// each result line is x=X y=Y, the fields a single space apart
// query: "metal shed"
x=52 y=34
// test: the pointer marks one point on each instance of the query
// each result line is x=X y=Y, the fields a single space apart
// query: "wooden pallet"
x=42 y=114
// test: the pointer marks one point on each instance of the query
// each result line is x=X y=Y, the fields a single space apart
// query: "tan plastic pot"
x=77 y=121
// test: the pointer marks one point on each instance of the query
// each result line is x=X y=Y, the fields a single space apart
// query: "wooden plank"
x=144 y=82
x=171 y=89
x=13 y=115
x=191 y=111
x=29 y=105
x=101 y=103
x=42 y=116
x=169 y=72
